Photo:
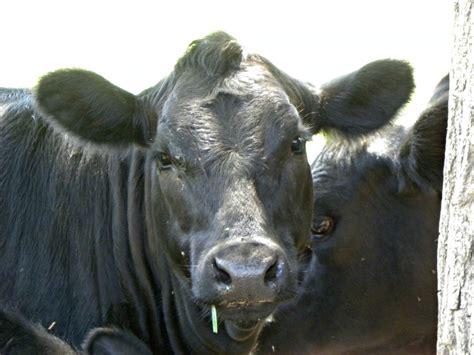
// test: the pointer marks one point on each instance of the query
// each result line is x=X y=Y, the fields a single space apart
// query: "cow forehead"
x=252 y=85
x=241 y=114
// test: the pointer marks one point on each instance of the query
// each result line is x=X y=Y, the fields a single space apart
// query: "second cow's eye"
x=321 y=228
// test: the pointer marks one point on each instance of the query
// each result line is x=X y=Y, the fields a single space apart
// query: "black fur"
x=216 y=55
x=371 y=287
x=19 y=337
x=112 y=204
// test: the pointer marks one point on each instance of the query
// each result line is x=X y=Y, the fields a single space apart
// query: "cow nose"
x=230 y=271
x=248 y=272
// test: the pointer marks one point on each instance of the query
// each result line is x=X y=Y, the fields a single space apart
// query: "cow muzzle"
x=244 y=279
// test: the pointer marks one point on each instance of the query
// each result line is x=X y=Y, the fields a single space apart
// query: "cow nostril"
x=221 y=275
x=272 y=273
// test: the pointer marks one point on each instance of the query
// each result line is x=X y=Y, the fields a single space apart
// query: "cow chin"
x=242 y=331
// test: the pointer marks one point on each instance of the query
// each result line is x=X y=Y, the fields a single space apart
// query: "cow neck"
x=130 y=250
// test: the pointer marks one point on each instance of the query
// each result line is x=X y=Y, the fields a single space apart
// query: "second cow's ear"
x=89 y=106
x=423 y=151
x=364 y=100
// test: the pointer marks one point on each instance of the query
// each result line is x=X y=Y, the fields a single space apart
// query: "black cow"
x=371 y=287
x=144 y=212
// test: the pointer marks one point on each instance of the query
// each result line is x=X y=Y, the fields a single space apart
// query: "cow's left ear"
x=422 y=153
x=364 y=100
x=91 y=107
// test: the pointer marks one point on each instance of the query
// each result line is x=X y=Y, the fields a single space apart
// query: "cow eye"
x=322 y=226
x=164 y=161
x=298 y=145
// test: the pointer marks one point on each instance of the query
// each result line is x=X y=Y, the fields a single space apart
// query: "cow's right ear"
x=364 y=100
x=423 y=151
x=92 y=108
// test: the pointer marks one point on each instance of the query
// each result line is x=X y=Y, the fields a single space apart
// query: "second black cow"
x=371 y=287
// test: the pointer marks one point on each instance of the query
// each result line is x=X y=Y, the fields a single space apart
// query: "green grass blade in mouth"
x=214 y=319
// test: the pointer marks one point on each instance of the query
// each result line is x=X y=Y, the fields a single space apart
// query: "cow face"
x=232 y=167
x=379 y=186
x=375 y=227
x=231 y=187
x=361 y=211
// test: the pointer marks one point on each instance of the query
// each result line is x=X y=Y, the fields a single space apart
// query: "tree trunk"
x=456 y=240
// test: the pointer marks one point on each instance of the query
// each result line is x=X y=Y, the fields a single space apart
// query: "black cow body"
x=371 y=287
x=143 y=212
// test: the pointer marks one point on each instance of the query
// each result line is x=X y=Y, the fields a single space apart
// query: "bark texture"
x=456 y=240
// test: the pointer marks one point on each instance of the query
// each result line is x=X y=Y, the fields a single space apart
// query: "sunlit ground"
x=134 y=44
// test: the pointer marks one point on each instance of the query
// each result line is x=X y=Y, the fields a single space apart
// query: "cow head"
x=231 y=188
x=375 y=226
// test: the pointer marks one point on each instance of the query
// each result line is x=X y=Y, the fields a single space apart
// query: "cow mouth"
x=242 y=320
